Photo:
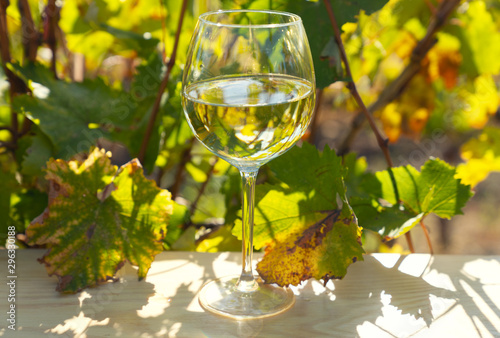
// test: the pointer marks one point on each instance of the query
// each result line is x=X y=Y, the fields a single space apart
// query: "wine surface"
x=249 y=119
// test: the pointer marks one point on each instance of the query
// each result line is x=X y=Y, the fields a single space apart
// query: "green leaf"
x=98 y=218
x=403 y=196
x=331 y=52
x=308 y=232
x=171 y=131
x=132 y=41
x=75 y=115
x=388 y=221
x=134 y=110
x=38 y=151
x=66 y=112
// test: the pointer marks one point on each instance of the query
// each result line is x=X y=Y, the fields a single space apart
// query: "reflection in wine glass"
x=248 y=95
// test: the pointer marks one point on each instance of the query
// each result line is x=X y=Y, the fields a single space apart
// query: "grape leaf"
x=306 y=221
x=135 y=110
x=401 y=197
x=482 y=156
x=75 y=115
x=38 y=150
x=98 y=218
x=66 y=111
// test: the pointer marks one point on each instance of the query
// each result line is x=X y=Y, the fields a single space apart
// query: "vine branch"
x=382 y=142
x=30 y=39
x=30 y=34
x=427 y=237
x=185 y=157
x=192 y=209
x=163 y=86
x=410 y=242
x=17 y=85
x=8 y=145
x=51 y=17
x=397 y=87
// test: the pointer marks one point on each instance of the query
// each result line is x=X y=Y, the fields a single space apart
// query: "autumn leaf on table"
x=401 y=197
x=305 y=221
x=98 y=218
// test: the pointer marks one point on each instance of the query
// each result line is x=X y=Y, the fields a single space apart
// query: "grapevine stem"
x=17 y=86
x=52 y=17
x=410 y=242
x=186 y=156
x=30 y=44
x=30 y=34
x=397 y=87
x=427 y=237
x=382 y=143
x=201 y=191
x=163 y=86
x=247 y=282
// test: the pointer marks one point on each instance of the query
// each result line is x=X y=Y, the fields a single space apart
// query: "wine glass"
x=248 y=95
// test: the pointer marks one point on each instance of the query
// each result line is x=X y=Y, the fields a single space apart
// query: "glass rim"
x=297 y=20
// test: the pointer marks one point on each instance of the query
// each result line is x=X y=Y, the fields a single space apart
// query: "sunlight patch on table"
x=387 y=260
x=477 y=268
x=155 y=307
x=77 y=325
x=416 y=264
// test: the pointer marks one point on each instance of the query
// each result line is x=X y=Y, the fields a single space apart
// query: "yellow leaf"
x=391 y=120
x=418 y=119
x=482 y=156
x=482 y=102
x=219 y=240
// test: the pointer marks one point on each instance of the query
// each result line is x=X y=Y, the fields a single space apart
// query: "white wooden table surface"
x=385 y=296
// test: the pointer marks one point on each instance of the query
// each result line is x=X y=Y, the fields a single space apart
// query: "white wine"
x=249 y=119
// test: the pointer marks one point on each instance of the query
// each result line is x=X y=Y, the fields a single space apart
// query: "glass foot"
x=221 y=297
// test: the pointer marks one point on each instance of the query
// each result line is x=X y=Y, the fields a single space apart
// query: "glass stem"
x=247 y=282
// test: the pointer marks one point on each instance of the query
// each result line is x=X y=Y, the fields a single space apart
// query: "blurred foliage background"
x=83 y=73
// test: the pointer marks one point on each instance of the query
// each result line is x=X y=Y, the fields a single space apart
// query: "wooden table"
x=387 y=295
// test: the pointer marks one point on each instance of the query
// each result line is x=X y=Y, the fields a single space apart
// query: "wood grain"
x=384 y=296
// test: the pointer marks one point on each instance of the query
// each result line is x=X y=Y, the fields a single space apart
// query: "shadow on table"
x=100 y=307
x=471 y=285
x=365 y=303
